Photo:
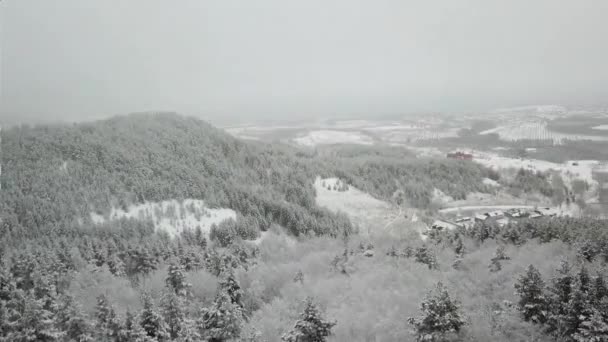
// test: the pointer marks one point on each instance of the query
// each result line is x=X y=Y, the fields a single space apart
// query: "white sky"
x=83 y=59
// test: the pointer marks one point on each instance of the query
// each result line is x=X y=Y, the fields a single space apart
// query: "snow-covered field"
x=414 y=135
x=484 y=208
x=533 y=109
x=365 y=211
x=579 y=169
x=328 y=137
x=490 y=182
x=171 y=216
x=536 y=130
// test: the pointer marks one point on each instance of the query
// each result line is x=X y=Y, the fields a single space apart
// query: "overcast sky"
x=83 y=59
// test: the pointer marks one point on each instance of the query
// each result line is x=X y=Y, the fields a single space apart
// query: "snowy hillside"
x=171 y=216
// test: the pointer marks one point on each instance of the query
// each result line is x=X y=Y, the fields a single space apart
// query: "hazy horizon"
x=69 y=60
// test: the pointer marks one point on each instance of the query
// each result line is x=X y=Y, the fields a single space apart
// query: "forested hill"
x=55 y=176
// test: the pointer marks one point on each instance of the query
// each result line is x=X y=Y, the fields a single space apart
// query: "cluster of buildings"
x=460 y=155
x=500 y=217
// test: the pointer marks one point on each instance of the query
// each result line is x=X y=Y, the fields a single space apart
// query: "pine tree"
x=311 y=327
x=176 y=280
x=150 y=320
x=31 y=322
x=230 y=285
x=425 y=255
x=200 y=237
x=580 y=306
x=532 y=302
x=108 y=324
x=144 y=261
x=172 y=307
x=459 y=248
x=560 y=290
x=441 y=316
x=72 y=321
x=45 y=290
x=133 y=331
x=593 y=329
x=499 y=256
x=188 y=332
x=457 y=264
x=600 y=290
x=222 y=321
x=116 y=265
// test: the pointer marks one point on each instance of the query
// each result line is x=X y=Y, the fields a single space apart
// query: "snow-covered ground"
x=536 y=130
x=365 y=211
x=171 y=216
x=414 y=135
x=533 y=109
x=570 y=170
x=328 y=137
x=484 y=208
x=601 y=127
x=490 y=182
x=440 y=197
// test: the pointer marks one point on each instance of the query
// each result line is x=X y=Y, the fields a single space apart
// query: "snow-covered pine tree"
x=459 y=248
x=426 y=256
x=230 y=285
x=176 y=279
x=32 y=322
x=116 y=265
x=311 y=327
x=107 y=326
x=593 y=328
x=133 y=331
x=560 y=290
x=600 y=290
x=222 y=321
x=441 y=316
x=188 y=331
x=72 y=321
x=532 y=301
x=172 y=307
x=150 y=320
x=579 y=308
x=499 y=256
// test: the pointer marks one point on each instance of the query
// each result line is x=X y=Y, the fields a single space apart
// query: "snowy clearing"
x=365 y=211
x=570 y=170
x=440 y=197
x=328 y=137
x=490 y=182
x=171 y=216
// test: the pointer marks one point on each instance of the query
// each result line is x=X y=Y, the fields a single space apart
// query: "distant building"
x=495 y=214
x=460 y=155
x=547 y=211
x=481 y=217
x=441 y=225
x=465 y=222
